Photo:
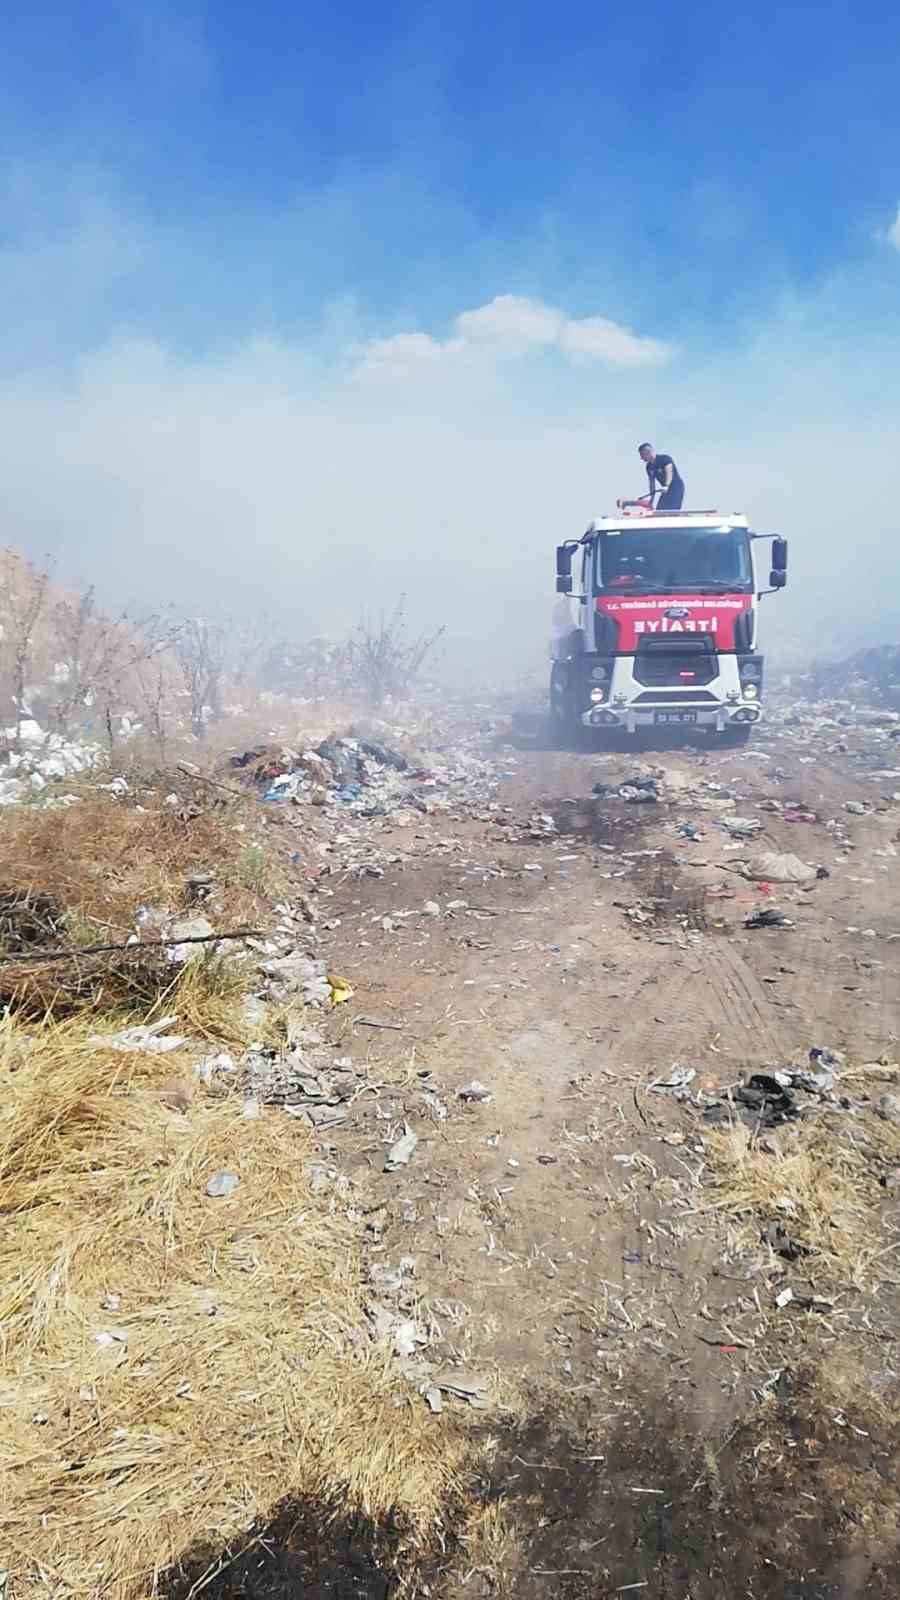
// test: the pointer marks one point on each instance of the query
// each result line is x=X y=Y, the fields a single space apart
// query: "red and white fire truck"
x=657 y=623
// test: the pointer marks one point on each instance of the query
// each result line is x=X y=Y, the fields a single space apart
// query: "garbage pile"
x=316 y=1095
x=30 y=758
x=365 y=778
x=870 y=677
x=767 y=1098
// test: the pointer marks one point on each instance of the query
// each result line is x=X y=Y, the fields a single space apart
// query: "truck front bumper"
x=631 y=719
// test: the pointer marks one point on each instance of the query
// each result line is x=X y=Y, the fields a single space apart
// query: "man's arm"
x=668 y=473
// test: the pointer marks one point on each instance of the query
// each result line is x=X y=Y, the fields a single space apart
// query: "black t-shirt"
x=656 y=471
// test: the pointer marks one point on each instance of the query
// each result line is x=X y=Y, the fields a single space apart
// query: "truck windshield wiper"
x=720 y=586
x=638 y=587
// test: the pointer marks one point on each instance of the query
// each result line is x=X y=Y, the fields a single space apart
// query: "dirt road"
x=566 y=952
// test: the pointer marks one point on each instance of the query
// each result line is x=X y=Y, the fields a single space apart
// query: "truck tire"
x=735 y=738
x=564 y=719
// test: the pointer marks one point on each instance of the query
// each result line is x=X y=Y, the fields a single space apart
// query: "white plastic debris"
x=222 y=1184
x=401 y=1153
x=187 y=928
x=211 y=1065
x=143 y=1036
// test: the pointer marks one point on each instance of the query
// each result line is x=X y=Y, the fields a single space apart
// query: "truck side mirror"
x=777 y=578
x=779 y=557
x=564 y=553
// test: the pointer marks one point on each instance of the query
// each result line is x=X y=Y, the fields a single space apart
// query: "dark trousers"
x=672 y=499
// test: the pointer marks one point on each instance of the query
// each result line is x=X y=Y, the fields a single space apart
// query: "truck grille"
x=661 y=661
x=662 y=697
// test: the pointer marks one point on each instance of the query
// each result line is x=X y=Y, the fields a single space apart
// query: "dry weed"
x=173 y=1365
x=96 y=863
x=821 y=1184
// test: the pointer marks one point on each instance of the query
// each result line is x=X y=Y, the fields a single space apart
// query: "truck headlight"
x=750 y=691
x=597 y=694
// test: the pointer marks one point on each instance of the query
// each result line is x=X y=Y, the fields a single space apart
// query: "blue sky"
x=433 y=269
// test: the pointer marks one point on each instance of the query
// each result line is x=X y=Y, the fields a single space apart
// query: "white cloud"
x=512 y=319
x=598 y=339
x=512 y=325
x=892 y=234
x=404 y=355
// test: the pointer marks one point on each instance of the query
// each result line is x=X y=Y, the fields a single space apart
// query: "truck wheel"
x=735 y=738
x=563 y=715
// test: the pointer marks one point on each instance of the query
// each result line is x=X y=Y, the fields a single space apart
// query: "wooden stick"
x=137 y=944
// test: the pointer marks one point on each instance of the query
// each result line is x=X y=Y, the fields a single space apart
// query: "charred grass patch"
x=598 y=821
x=794 y=1500
x=668 y=897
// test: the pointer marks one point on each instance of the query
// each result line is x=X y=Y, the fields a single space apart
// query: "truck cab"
x=657 y=624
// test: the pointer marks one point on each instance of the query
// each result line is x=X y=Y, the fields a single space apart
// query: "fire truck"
x=656 y=623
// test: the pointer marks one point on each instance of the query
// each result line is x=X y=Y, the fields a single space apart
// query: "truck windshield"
x=673 y=560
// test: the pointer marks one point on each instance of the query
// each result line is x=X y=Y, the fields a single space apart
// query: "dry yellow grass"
x=99 y=861
x=104 y=857
x=820 y=1183
x=172 y=1365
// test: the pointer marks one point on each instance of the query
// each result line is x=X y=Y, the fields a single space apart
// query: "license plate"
x=675 y=716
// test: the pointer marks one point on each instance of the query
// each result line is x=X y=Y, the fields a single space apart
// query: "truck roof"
x=671 y=519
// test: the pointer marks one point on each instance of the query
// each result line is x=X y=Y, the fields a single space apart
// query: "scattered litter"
x=779 y=1240
x=773 y=867
x=741 y=827
x=768 y=917
x=404 y=1333
x=678 y=1081
x=146 y=1037
x=377 y=1022
x=769 y=1097
x=222 y=1184
x=211 y=1065
x=401 y=1153
x=475 y=1091
x=341 y=990
x=464 y=1385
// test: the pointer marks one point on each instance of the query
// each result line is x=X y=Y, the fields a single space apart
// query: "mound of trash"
x=363 y=776
x=870 y=677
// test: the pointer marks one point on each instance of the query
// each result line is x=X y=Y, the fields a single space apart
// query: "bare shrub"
x=101 y=659
x=201 y=648
x=23 y=598
x=383 y=662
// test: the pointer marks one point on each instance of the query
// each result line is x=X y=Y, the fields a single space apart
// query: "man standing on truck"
x=664 y=478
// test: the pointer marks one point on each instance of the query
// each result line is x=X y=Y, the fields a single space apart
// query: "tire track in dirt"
x=742 y=1005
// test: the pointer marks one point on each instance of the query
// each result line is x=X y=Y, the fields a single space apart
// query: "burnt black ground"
x=664 y=1514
